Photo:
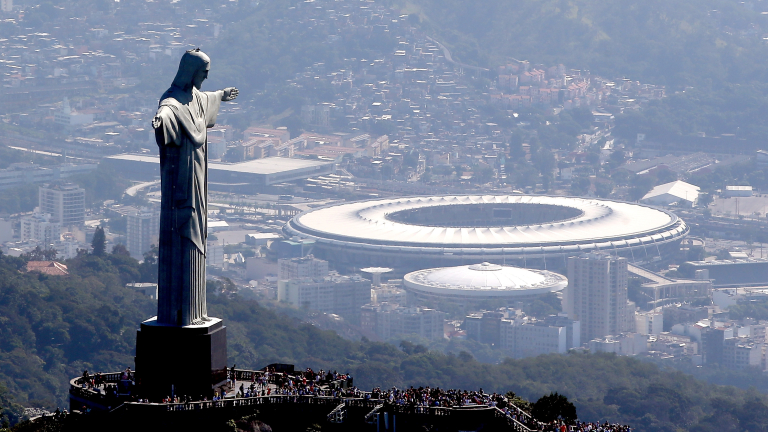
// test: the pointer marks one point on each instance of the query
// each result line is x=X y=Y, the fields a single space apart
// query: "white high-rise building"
x=65 y=202
x=388 y=321
x=214 y=256
x=40 y=227
x=649 y=323
x=342 y=295
x=305 y=267
x=142 y=231
x=596 y=295
x=6 y=5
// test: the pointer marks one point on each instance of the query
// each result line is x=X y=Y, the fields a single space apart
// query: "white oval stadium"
x=526 y=230
x=477 y=283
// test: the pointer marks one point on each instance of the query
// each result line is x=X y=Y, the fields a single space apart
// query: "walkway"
x=448 y=57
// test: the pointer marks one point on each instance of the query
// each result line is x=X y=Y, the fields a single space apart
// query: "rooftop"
x=485 y=278
x=677 y=188
x=270 y=165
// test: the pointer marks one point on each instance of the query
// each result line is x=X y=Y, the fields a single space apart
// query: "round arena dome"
x=531 y=231
x=484 y=280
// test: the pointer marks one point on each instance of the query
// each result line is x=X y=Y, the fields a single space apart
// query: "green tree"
x=554 y=407
x=99 y=242
x=695 y=253
x=580 y=186
x=120 y=249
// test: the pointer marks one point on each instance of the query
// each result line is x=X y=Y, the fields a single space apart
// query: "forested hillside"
x=54 y=327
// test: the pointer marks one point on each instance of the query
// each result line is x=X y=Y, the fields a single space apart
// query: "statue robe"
x=182 y=140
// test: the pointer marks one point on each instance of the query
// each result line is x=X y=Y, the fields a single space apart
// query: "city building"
x=68 y=117
x=388 y=293
x=621 y=344
x=659 y=290
x=333 y=294
x=532 y=339
x=741 y=353
x=596 y=295
x=679 y=192
x=245 y=177
x=51 y=268
x=67 y=247
x=738 y=191
x=673 y=344
x=214 y=256
x=389 y=321
x=65 y=202
x=6 y=230
x=520 y=336
x=146 y=288
x=40 y=227
x=299 y=268
x=142 y=231
x=712 y=340
x=20 y=173
x=649 y=323
x=734 y=272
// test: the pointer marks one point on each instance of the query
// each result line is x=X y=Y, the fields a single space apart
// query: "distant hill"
x=675 y=43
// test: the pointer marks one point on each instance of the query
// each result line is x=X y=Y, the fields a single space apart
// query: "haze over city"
x=378 y=215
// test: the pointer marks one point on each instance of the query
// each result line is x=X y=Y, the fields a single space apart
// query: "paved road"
x=450 y=59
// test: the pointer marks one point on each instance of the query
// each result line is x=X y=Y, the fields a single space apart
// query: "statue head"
x=193 y=70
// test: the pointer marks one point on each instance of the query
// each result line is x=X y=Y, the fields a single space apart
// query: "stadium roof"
x=368 y=222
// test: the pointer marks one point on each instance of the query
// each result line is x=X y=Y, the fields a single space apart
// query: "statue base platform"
x=181 y=361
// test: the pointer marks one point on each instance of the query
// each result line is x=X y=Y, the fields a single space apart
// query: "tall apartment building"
x=65 y=202
x=214 y=255
x=520 y=336
x=649 y=323
x=342 y=295
x=142 y=231
x=596 y=295
x=389 y=321
x=304 y=267
x=741 y=353
x=40 y=227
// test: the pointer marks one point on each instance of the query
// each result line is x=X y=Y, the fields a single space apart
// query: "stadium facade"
x=531 y=231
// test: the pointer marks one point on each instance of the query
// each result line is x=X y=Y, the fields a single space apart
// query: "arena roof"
x=270 y=165
x=485 y=279
x=265 y=171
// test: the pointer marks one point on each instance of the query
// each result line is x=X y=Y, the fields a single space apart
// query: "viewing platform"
x=335 y=403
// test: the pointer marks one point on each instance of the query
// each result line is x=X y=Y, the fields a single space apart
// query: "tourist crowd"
x=270 y=382
x=584 y=427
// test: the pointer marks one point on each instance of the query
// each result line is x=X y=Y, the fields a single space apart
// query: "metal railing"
x=514 y=424
x=77 y=388
x=339 y=414
x=369 y=418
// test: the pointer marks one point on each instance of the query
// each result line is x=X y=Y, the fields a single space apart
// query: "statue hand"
x=156 y=122
x=230 y=93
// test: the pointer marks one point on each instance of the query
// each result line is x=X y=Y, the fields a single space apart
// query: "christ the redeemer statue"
x=181 y=123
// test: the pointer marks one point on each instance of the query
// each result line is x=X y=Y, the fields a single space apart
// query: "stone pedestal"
x=185 y=361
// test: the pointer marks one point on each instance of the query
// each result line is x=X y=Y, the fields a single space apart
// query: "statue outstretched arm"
x=229 y=93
